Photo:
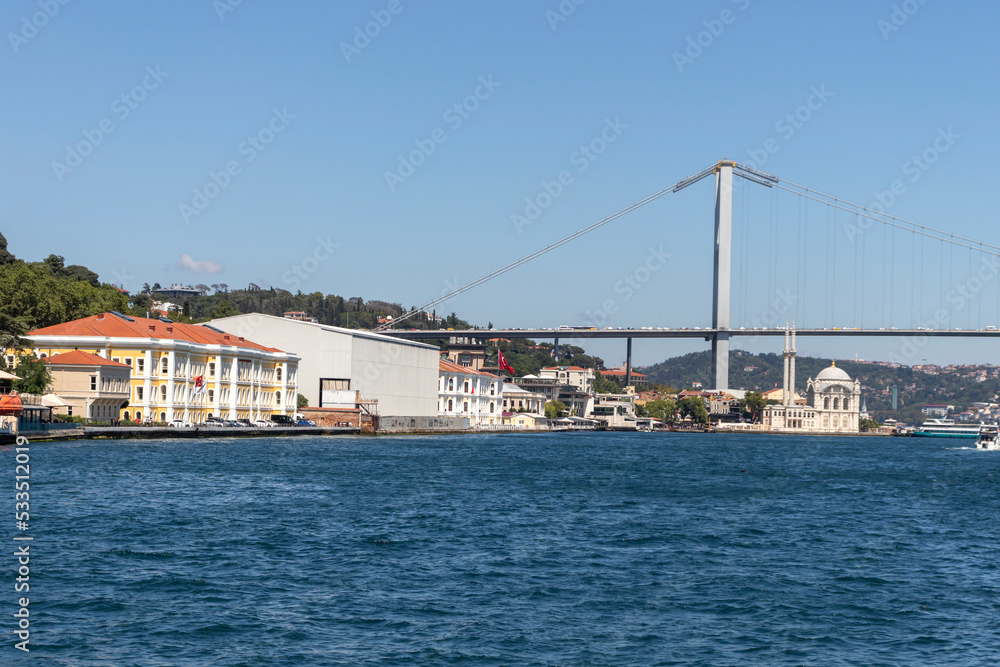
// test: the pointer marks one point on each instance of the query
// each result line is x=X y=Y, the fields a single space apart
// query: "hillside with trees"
x=765 y=371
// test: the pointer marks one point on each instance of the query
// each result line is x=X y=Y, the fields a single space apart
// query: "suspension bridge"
x=946 y=294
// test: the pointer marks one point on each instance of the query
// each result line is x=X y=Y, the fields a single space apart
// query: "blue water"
x=554 y=549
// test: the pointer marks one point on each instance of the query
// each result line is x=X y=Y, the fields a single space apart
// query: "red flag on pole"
x=502 y=363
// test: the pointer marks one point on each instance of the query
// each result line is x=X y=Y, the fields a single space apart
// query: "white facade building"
x=336 y=363
x=516 y=399
x=463 y=392
x=833 y=400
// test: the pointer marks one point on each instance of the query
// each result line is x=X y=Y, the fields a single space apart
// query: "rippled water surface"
x=554 y=549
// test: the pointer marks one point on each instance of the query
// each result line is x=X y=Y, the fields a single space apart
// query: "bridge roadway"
x=706 y=333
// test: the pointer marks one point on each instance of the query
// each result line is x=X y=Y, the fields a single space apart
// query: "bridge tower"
x=723 y=265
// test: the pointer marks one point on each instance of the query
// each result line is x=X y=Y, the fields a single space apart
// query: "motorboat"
x=989 y=436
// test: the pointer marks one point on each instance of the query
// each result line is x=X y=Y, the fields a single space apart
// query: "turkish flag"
x=502 y=363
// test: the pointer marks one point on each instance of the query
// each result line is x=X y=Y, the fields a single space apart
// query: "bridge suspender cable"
x=528 y=258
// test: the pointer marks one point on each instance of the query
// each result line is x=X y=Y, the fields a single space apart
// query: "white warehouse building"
x=401 y=374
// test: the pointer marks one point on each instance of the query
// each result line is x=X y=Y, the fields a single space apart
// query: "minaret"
x=784 y=385
x=791 y=365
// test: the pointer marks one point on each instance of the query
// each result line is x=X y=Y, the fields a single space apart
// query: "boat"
x=989 y=436
x=946 y=428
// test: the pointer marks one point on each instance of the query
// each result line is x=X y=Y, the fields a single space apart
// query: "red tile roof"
x=616 y=373
x=449 y=367
x=112 y=326
x=79 y=358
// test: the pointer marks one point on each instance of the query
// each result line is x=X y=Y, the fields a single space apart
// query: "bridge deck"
x=705 y=333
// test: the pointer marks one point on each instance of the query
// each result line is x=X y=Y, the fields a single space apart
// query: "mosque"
x=832 y=403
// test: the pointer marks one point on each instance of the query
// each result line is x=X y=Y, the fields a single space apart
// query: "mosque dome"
x=834 y=374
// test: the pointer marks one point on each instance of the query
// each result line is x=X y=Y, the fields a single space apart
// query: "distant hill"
x=760 y=372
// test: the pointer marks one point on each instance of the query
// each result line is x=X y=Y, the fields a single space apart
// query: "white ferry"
x=946 y=428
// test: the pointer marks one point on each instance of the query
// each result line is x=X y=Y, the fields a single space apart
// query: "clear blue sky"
x=199 y=81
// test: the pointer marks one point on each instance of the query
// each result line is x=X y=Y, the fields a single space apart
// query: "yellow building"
x=182 y=371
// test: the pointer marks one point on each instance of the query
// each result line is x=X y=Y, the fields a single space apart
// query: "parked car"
x=282 y=420
x=214 y=421
x=180 y=423
x=244 y=422
x=305 y=422
x=261 y=423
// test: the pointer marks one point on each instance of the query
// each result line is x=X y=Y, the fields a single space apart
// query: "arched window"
x=163 y=416
x=465 y=387
x=826 y=403
x=163 y=392
x=450 y=405
x=465 y=406
x=277 y=398
x=491 y=407
x=164 y=365
x=847 y=404
x=125 y=415
x=451 y=384
x=836 y=403
x=277 y=373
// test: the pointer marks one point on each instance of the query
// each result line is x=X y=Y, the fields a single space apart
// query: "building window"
x=211 y=369
x=465 y=359
x=451 y=384
x=140 y=365
x=491 y=407
x=450 y=405
x=93 y=383
x=128 y=362
x=277 y=398
x=126 y=415
x=211 y=395
x=465 y=387
x=138 y=394
x=163 y=416
x=465 y=406
x=163 y=392
x=164 y=365
x=277 y=374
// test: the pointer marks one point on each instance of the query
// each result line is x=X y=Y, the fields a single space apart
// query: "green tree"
x=5 y=256
x=662 y=409
x=603 y=385
x=34 y=374
x=694 y=407
x=753 y=404
x=225 y=309
x=302 y=401
x=554 y=409
x=868 y=425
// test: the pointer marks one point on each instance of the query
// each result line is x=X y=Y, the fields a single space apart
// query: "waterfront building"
x=527 y=420
x=581 y=378
x=88 y=385
x=517 y=399
x=182 y=371
x=937 y=410
x=339 y=364
x=614 y=410
x=464 y=392
x=832 y=402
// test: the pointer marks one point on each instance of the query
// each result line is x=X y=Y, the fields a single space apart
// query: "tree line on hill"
x=761 y=372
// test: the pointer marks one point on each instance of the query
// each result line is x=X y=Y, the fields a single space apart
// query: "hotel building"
x=241 y=379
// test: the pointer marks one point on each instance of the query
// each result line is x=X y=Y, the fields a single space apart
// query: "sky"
x=397 y=149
